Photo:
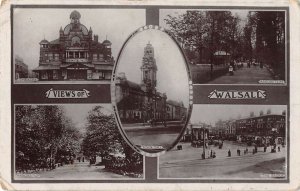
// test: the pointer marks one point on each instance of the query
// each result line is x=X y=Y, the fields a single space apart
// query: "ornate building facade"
x=142 y=102
x=75 y=55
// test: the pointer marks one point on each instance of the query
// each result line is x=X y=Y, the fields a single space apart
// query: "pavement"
x=244 y=76
x=187 y=163
x=147 y=135
x=76 y=171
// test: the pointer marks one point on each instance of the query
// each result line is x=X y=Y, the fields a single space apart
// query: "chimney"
x=96 y=38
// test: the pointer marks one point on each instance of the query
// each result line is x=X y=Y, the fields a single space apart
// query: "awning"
x=103 y=67
x=46 y=67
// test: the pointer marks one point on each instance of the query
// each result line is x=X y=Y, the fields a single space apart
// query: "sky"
x=242 y=14
x=78 y=113
x=172 y=77
x=30 y=26
x=210 y=114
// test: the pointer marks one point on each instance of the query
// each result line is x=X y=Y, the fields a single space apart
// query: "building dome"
x=44 y=42
x=75 y=15
x=106 y=43
x=68 y=28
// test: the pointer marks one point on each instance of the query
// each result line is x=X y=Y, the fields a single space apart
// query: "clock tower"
x=149 y=68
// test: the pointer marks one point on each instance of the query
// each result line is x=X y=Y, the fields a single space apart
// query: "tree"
x=103 y=138
x=42 y=131
x=205 y=30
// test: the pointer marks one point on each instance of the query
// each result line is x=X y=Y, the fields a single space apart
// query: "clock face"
x=153 y=116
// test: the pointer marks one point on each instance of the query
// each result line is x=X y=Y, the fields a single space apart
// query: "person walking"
x=229 y=153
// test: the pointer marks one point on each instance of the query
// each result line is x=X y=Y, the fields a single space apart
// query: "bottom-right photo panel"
x=230 y=142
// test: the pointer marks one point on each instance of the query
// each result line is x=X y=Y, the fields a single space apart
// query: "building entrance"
x=77 y=74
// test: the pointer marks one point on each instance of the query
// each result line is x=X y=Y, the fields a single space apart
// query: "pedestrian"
x=214 y=154
x=229 y=153
x=211 y=153
x=246 y=150
x=253 y=152
x=278 y=148
x=265 y=149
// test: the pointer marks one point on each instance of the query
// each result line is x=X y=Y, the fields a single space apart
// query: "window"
x=89 y=74
x=76 y=54
x=44 y=75
x=81 y=54
x=56 y=57
x=100 y=56
x=55 y=74
x=71 y=55
x=50 y=56
x=75 y=41
x=95 y=57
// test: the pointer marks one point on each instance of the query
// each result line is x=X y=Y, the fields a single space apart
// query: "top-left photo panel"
x=69 y=45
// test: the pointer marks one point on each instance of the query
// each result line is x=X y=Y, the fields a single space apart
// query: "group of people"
x=240 y=64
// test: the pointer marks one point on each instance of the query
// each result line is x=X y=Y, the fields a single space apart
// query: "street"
x=244 y=76
x=187 y=163
x=152 y=136
x=76 y=171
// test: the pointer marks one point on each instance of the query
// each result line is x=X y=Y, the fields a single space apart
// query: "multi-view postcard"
x=148 y=94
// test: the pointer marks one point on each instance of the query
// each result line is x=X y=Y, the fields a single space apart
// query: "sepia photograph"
x=68 y=45
x=71 y=142
x=230 y=142
x=152 y=90
x=231 y=46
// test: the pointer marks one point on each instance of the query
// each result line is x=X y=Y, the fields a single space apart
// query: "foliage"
x=41 y=133
x=103 y=139
x=261 y=36
x=211 y=30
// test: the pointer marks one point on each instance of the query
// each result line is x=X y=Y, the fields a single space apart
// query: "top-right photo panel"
x=234 y=46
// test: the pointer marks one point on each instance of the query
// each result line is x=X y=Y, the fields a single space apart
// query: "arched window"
x=75 y=41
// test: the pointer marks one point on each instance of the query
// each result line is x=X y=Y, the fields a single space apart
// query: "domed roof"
x=69 y=27
x=106 y=42
x=44 y=42
x=75 y=15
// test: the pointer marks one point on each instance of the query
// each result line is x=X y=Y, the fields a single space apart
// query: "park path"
x=244 y=76
x=76 y=171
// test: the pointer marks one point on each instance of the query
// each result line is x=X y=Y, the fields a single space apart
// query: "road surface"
x=187 y=163
x=244 y=76
x=153 y=136
x=77 y=171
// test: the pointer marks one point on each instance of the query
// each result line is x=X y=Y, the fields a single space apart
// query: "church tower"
x=149 y=68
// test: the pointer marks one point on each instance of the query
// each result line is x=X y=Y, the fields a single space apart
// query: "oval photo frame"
x=152 y=97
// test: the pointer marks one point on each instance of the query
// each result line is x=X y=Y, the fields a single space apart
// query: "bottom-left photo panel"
x=71 y=142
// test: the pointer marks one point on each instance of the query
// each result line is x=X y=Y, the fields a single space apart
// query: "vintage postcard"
x=149 y=95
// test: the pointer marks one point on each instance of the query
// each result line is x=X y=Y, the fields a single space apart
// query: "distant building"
x=21 y=69
x=264 y=126
x=142 y=102
x=75 y=55
x=175 y=110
